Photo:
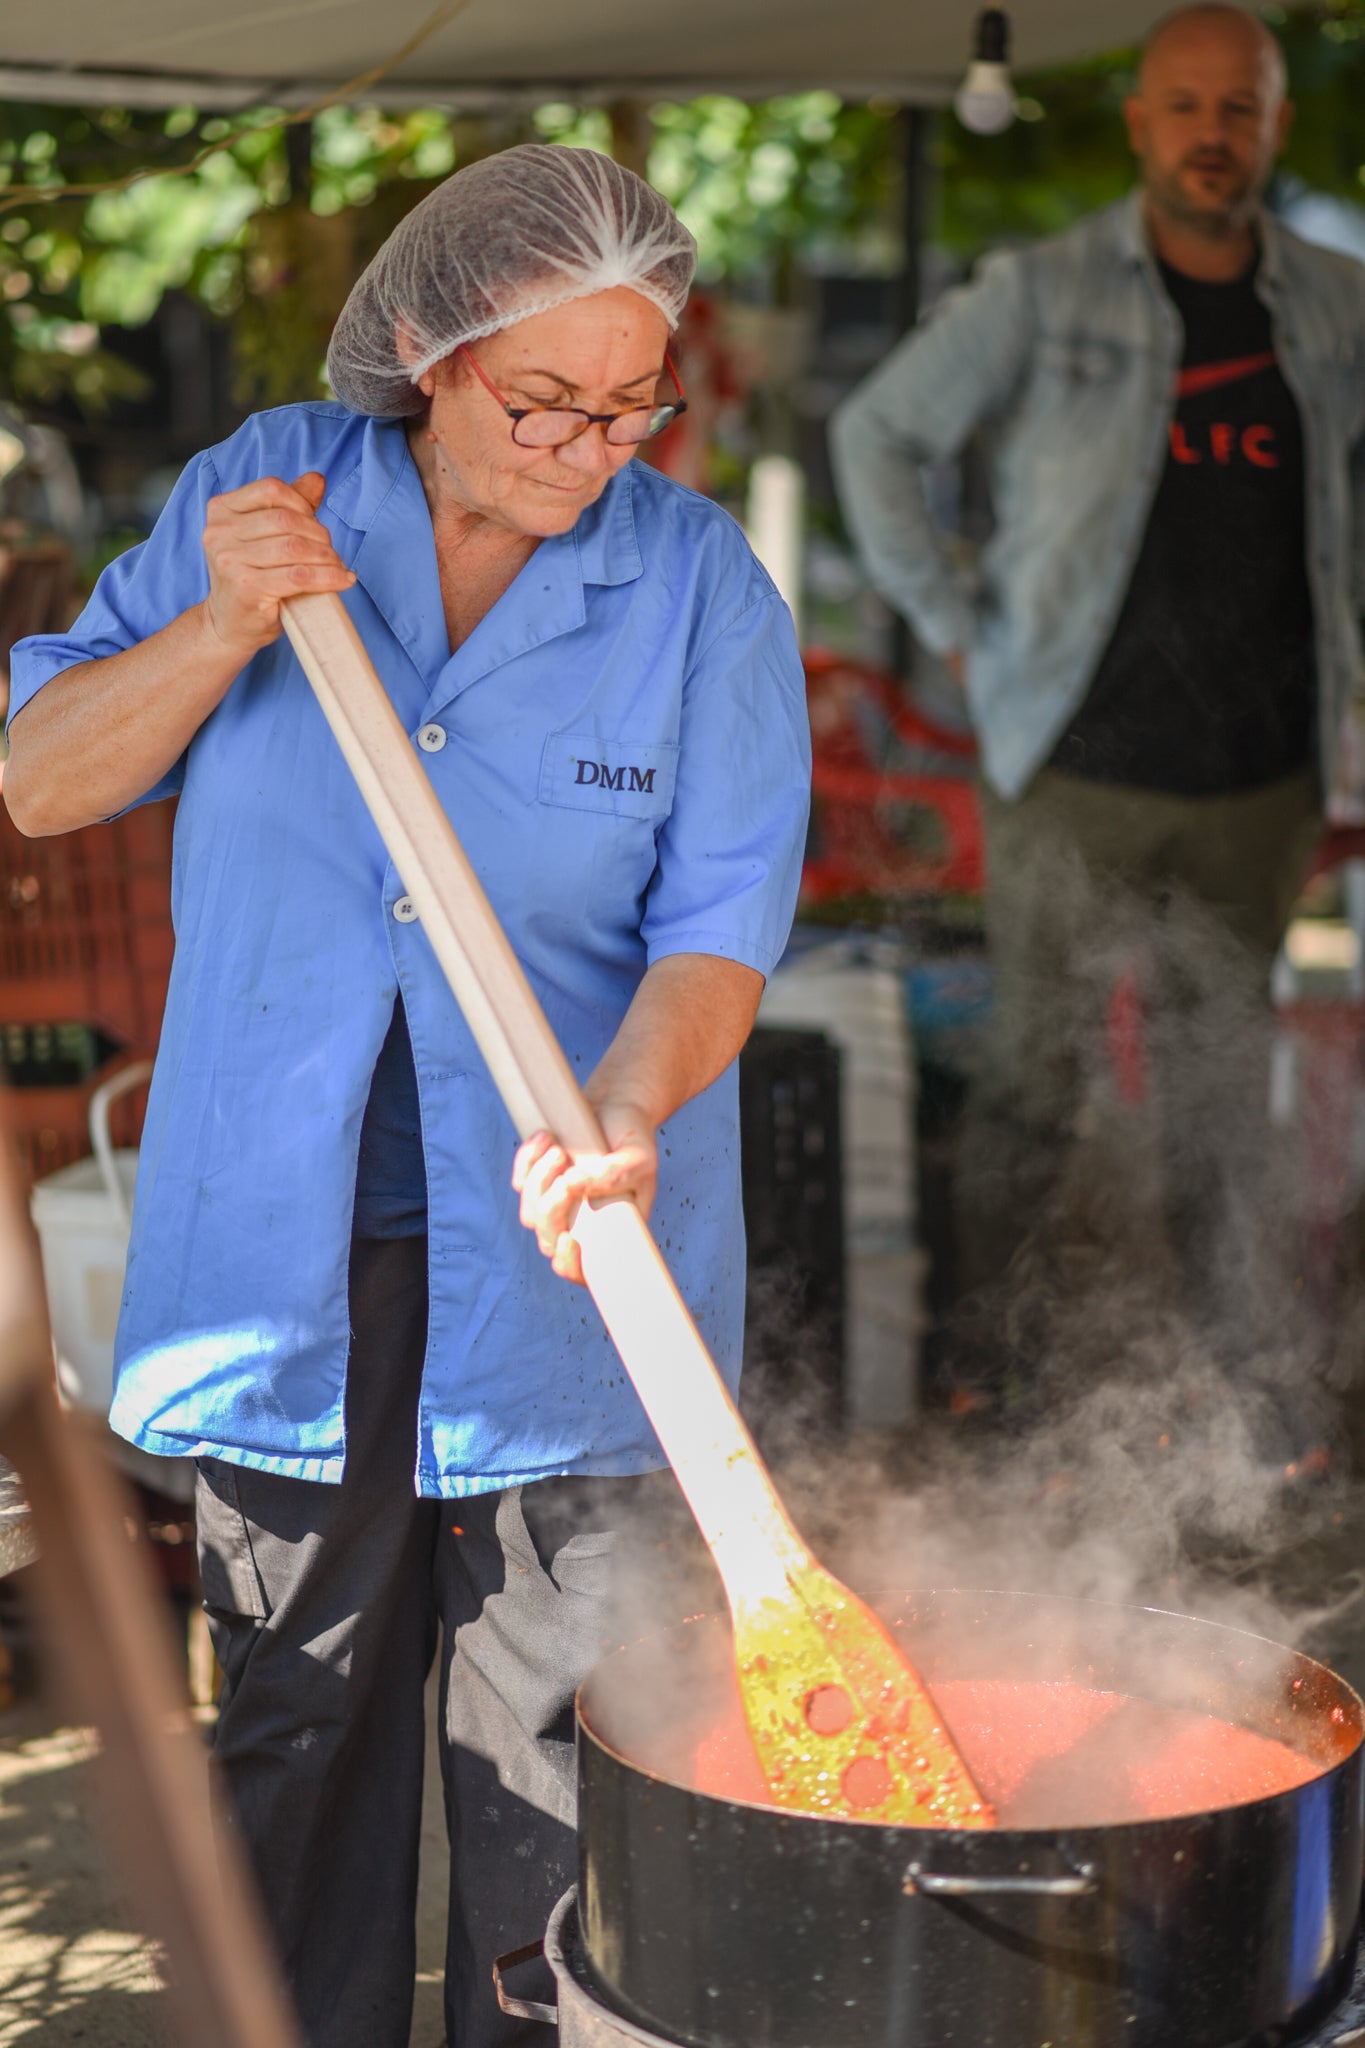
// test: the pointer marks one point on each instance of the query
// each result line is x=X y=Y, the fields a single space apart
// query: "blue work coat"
x=622 y=747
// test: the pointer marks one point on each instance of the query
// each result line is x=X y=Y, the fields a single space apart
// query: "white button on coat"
x=405 y=910
x=431 y=738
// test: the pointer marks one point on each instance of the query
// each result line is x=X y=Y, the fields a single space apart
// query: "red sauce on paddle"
x=1063 y=1756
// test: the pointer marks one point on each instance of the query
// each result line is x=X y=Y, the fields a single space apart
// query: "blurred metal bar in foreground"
x=117 y=1665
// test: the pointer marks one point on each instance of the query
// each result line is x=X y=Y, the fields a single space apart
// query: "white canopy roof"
x=231 y=52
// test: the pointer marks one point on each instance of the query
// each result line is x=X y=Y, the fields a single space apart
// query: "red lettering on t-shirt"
x=1258 y=446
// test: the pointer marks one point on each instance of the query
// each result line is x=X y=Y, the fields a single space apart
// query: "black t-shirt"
x=1207 y=685
x=391 y=1174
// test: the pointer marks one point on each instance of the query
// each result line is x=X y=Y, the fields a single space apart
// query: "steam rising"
x=1167 y=1430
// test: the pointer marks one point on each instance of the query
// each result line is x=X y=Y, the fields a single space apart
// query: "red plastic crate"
x=85 y=926
x=85 y=938
x=907 y=830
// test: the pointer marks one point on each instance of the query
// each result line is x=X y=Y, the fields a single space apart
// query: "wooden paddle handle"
x=701 y=1431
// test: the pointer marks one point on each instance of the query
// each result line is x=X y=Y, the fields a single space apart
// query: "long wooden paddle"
x=106 y=1629
x=840 y=1721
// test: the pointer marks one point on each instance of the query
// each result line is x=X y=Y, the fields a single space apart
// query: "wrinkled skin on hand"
x=265 y=543
x=552 y=1186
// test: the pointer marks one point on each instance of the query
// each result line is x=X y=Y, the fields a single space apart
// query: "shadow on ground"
x=74 y=1967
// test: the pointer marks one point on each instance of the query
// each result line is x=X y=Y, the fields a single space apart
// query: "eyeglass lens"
x=552 y=427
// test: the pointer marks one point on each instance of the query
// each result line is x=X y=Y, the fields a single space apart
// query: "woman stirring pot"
x=405 y=1423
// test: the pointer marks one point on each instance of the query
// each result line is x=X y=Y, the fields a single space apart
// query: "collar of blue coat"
x=604 y=537
x=1130 y=216
x=382 y=501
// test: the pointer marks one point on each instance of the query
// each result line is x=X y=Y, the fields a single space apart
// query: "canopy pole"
x=916 y=125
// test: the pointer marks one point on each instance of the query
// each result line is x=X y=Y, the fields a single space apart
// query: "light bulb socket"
x=991 y=41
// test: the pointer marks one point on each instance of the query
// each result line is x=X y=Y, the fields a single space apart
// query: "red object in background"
x=85 y=938
x=1339 y=844
x=710 y=374
x=1329 y=1039
x=878 y=830
x=1126 y=1037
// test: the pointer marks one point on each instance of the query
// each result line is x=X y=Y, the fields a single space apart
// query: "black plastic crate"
x=794 y=1218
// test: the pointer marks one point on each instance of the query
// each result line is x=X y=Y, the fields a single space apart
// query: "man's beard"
x=1213 y=217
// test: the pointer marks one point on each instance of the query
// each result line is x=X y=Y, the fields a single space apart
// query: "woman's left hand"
x=686 y=1022
x=551 y=1185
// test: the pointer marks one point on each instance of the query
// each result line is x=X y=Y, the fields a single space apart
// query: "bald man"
x=1161 y=651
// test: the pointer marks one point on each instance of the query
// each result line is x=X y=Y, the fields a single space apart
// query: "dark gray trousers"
x=325 y=1603
x=1088 y=884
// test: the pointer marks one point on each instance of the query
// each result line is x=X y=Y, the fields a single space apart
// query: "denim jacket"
x=1064 y=356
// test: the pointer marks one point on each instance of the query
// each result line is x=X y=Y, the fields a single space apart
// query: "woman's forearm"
x=101 y=734
x=690 y=1017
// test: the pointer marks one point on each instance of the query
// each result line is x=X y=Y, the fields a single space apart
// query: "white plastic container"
x=83 y=1215
x=853 y=989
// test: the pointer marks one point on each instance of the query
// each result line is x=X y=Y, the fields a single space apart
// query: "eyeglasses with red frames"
x=554 y=426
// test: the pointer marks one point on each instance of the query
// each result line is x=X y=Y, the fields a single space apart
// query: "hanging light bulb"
x=985 y=99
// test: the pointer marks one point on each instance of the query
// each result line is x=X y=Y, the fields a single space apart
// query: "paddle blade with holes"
x=840 y=1722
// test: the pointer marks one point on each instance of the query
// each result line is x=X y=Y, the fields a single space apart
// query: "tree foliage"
x=269 y=235
x=799 y=180
x=235 y=233
x=764 y=188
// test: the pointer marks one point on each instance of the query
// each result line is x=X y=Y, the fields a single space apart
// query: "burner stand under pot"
x=583 y=2021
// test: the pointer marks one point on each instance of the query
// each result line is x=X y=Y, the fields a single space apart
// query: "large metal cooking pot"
x=723 y=1924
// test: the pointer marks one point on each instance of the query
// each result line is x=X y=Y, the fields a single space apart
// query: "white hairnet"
x=506 y=237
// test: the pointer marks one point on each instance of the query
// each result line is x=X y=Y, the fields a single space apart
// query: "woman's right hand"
x=265 y=542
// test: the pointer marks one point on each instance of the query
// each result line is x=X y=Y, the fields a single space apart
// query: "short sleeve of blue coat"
x=136 y=596
x=738 y=818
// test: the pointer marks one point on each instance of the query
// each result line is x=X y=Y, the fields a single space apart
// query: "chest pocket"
x=1078 y=360
x=579 y=771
